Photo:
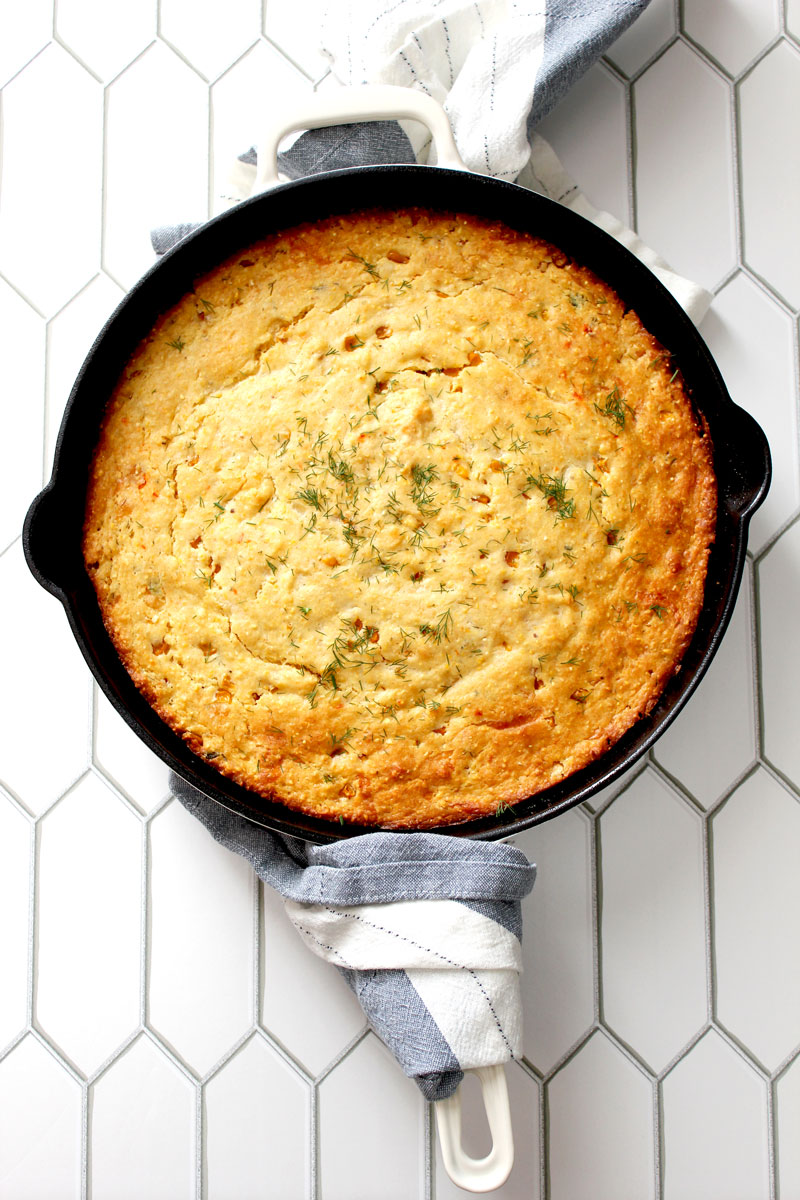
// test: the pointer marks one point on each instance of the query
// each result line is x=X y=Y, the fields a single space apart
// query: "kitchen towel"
x=425 y=929
x=496 y=66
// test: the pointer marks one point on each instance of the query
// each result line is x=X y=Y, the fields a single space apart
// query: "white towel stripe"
x=421 y=934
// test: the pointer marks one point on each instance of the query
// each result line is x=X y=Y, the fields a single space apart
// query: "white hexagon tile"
x=163 y=1031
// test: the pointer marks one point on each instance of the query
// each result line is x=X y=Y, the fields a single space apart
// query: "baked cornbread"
x=399 y=518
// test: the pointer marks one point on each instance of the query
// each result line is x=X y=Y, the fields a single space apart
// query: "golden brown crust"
x=400 y=518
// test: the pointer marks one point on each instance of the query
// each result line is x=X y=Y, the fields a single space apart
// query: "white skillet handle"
x=343 y=106
x=478 y=1174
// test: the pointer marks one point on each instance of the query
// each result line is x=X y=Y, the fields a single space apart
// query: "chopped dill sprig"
x=339 y=469
x=313 y=497
x=615 y=407
x=440 y=631
x=369 y=267
x=554 y=490
x=421 y=479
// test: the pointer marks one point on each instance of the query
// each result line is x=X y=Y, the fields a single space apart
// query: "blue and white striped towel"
x=425 y=929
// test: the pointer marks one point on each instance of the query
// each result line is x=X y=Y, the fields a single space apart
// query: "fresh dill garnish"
x=422 y=476
x=313 y=497
x=369 y=267
x=554 y=490
x=615 y=407
x=177 y=344
x=339 y=469
x=441 y=630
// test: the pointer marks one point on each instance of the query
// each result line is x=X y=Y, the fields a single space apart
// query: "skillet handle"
x=45 y=543
x=748 y=463
x=375 y=102
x=478 y=1174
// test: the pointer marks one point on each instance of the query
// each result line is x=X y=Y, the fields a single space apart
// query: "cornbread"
x=399 y=518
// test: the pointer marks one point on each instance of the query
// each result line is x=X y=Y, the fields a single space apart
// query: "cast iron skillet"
x=53 y=527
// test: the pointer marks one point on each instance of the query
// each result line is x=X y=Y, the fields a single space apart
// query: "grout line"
x=342 y=1055
x=709 y=915
x=428 y=1152
x=85 y=1134
x=258 y=946
x=27 y=300
x=113 y=1057
x=772 y=1140
x=757 y=694
x=33 y=924
x=199 y=1141
x=58 y=40
x=673 y=40
x=144 y=928
x=285 y=1055
x=27 y=63
x=738 y=178
x=544 y=1142
x=596 y=886
x=659 y=1139
x=630 y=155
x=675 y=784
x=314 y=1189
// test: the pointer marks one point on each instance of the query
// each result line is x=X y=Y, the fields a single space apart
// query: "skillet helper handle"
x=478 y=1174
x=378 y=102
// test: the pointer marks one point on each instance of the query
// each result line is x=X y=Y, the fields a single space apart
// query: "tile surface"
x=755 y=840
x=157 y=157
x=683 y=116
x=715 y=1126
x=54 y=686
x=771 y=170
x=558 y=996
x=732 y=33
x=21 y=375
x=779 y=586
x=367 y=1149
x=601 y=1151
x=257 y=1112
x=653 y=937
x=106 y=43
x=39 y=1104
x=201 y=944
x=702 y=752
x=86 y=1002
x=752 y=339
x=15 y=881
x=142 y=1128
x=49 y=236
x=163 y=1030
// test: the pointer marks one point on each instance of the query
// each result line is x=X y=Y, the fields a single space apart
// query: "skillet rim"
x=741 y=461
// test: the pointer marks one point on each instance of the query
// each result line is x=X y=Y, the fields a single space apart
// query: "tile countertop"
x=163 y=1032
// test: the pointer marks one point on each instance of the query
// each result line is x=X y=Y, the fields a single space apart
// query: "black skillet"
x=53 y=527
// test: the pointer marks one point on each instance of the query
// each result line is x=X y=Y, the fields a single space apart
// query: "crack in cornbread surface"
x=400 y=518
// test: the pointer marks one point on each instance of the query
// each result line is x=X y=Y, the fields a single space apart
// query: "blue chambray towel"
x=425 y=929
